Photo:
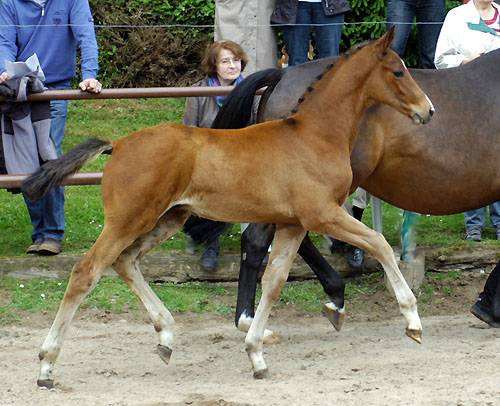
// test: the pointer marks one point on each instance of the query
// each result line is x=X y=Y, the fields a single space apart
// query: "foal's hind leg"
x=84 y=276
x=286 y=243
x=126 y=266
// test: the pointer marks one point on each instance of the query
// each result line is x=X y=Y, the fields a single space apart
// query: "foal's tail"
x=237 y=108
x=53 y=172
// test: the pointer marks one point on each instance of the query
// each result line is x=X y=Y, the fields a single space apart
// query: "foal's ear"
x=384 y=43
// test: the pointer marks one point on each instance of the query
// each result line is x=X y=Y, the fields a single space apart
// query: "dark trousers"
x=401 y=13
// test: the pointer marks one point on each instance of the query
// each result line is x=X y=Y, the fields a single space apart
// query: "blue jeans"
x=296 y=37
x=47 y=214
x=425 y=11
x=477 y=218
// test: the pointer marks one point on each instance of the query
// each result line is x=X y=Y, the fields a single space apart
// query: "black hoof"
x=334 y=316
x=45 y=383
x=164 y=353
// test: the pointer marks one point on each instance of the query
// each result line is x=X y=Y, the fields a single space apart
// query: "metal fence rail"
x=94 y=178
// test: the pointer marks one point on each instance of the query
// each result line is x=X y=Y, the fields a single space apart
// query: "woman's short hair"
x=209 y=60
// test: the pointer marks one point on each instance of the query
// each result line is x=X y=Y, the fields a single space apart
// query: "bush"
x=141 y=43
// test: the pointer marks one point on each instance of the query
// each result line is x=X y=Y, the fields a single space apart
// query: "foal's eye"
x=398 y=73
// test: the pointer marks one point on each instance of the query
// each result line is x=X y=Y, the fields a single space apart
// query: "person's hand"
x=471 y=58
x=90 y=85
x=4 y=77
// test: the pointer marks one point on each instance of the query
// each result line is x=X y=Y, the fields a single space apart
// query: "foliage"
x=142 y=43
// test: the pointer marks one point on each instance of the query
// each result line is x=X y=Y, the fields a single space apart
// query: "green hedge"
x=169 y=53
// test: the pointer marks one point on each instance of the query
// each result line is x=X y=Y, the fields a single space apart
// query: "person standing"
x=52 y=29
x=296 y=18
x=247 y=24
x=429 y=15
x=223 y=63
x=469 y=31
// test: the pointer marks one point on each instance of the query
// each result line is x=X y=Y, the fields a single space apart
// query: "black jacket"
x=285 y=11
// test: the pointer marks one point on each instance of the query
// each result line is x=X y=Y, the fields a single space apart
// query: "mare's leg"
x=285 y=246
x=126 y=266
x=332 y=283
x=255 y=242
x=342 y=226
x=84 y=276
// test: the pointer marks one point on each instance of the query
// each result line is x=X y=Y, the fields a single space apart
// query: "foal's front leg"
x=286 y=243
x=346 y=228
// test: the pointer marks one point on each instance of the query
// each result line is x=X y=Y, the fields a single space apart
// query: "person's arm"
x=84 y=32
x=8 y=47
x=191 y=112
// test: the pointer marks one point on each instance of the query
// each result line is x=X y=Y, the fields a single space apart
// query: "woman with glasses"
x=223 y=63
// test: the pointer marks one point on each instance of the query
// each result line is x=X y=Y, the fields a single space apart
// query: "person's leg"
x=297 y=37
x=400 y=13
x=474 y=222
x=329 y=31
x=495 y=214
x=210 y=256
x=35 y=210
x=47 y=214
x=53 y=215
x=429 y=11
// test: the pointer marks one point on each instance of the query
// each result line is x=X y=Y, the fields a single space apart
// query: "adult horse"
x=447 y=167
x=156 y=177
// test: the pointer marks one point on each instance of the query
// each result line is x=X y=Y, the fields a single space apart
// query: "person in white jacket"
x=468 y=31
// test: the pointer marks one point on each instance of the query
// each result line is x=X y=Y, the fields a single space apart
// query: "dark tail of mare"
x=237 y=108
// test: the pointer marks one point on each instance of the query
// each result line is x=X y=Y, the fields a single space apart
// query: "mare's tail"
x=53 y=172
x=237 y=108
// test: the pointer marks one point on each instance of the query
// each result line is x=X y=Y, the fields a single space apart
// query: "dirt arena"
x=111 y=359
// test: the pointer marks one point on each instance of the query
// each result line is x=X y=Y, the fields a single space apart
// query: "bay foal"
x=293 y=172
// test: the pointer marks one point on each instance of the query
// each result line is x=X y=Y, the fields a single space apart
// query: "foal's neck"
x=335 y=105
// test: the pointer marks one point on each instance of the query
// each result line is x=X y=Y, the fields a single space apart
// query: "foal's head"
x=391 y=83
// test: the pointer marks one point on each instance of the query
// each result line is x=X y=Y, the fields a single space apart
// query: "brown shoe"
x=33 y=248
x=49 y=247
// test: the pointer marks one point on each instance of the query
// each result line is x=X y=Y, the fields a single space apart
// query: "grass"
x=22 y=298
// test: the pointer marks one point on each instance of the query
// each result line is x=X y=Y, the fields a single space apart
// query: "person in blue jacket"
x=52 y=29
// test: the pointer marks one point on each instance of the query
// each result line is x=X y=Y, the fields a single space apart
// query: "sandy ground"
x=111 y=360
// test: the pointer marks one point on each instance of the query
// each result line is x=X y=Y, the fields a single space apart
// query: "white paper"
x=17 y=69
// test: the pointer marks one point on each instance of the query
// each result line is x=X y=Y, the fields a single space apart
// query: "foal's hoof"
x=164 y=353
x=262 y=374
x=45 y=383
x=415 y=335
x=271 y=339
x=334 y=315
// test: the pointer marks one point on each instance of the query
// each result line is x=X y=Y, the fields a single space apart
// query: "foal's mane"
x=331 y=69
